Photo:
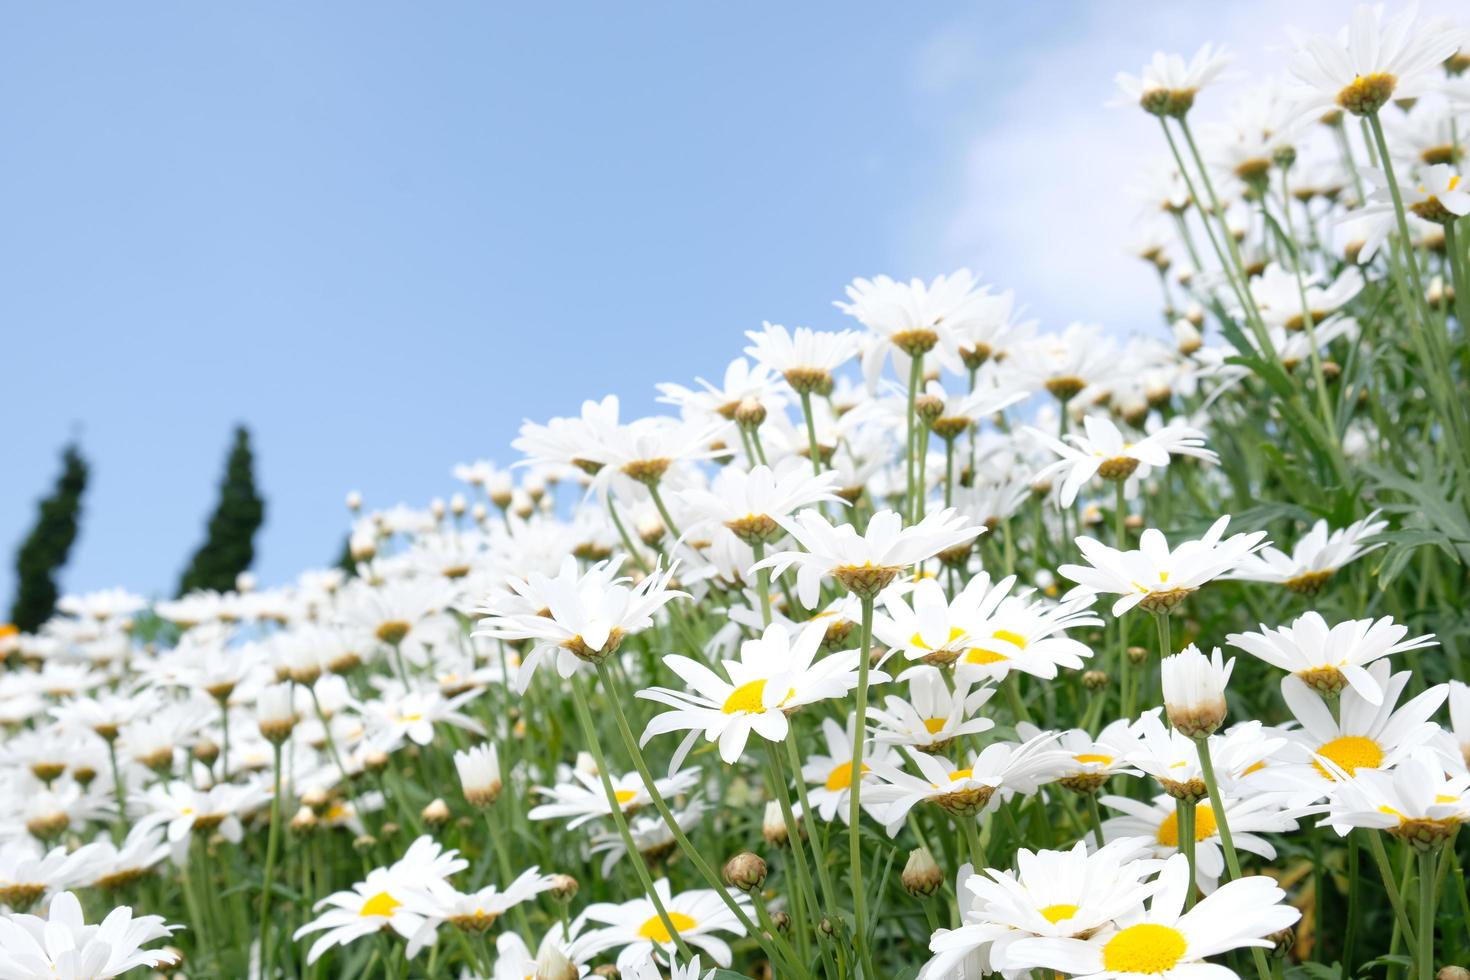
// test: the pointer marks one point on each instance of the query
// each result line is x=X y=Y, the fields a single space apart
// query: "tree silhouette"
x=45 y=549
x=229 y=547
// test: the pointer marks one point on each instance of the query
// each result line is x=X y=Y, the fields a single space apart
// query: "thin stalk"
x=1222 y=824
x=612 y=511
x=806 y=908
x=762 y=582
x=1096 y=815
x=813 y=446
x=854 y=808
x=819 y=856
x=663 y=512
x=916 y=375
x=1424 y=952
x=273 y=843
x=1390 y=883
x=1184 y=816
x=589 y=732
x=776 y=948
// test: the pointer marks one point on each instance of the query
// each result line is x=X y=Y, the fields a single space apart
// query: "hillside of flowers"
x=930 y=643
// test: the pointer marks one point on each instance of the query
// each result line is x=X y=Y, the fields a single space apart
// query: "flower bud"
x=1095 y=680
x=317 y=799
x=479 y=775
x=921 y=876
x=773 y=825
x=375 y=760
x=304 y=822
x=436 y=814
x=1194 y=690
x=781 y=920
x=1137 y=655
x=552 y=964
x=563 y=888
x=745 y=871
x=749 y=414
x=275 y=713
x=1452 y=973
x=1187 y=337
x=364 y=843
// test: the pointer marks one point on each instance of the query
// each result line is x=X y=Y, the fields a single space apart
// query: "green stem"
x=775 y=948
x=971 y=830
x=762 y=582
x=1424 y=952
x=1390 y=883
x=273 y=843
x=1096 y=815
x=1184 y=816
x=819 y=854
x=916 y=376
x=663 y=512
x=1227 y=843
x=854 y=807
x=813 y=446
x=589 y=732
x=806 y=908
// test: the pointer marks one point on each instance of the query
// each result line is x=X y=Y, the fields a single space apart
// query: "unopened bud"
x=364 y=843
x=921 y=876
x=317 y=799
x=749 y=414
x=563 y=888
x=928 y=408
x=745 y=871
x=376 y=760
x=773 y=825
x=436 y=814
x=206 y=752
x=1094 y=680
x=1452 y=973
x=304 y=822
x=781 y=921
x=1137 y=655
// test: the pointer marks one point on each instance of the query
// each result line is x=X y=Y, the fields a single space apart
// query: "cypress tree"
x=229 y=547
x=45 y=549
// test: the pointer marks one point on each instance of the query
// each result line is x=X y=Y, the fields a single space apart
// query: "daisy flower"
x=1327 y=658
x=63 y=945
x=775 y=673
x=749 y=502
x=865 y=564
x=933 y=716
x=1103 y=451
x=1439 y=198
x=584 y=799
x=1155 y=577
x=28 y=872
x=1376 y=57
x=576 y=617
x=909 y=319
x=1278 y=296
x=1007 y=767
x=637 y=931
x=110 y=867
x=184 y=809
x=440 y=902
x=1362 y=737
x=651 y=835
x=560 y=954
x=1168 y=84
x=1023 y=632
x=1158 y=821
x=1165 y=942
x=1093 y=761
x=806 y=358
x=1416 y=802
x=571 y=441
x=380 y=901
x=1054 y=894
x=829 y=775
x=1314 y=559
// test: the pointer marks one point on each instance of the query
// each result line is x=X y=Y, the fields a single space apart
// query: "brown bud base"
x=392 y=632
x=1197 y=722
x=1308 y=583
x=754 y=529
x=1326 y=681
x=647 y=471
x=1367 y=93
x=965 y=802
x=866 y=581
x=1162 y=602
x=582 y=651
x=1086 y=783
x=477 y=922
x=915 y=343
x=951 y=427
x=1065 y=388
x=1190 y=791
x=21 y=897
x=1425 y=834
x=809 y=381
x=1119 y=468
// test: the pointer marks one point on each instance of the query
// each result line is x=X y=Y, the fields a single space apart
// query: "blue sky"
x=381 y=234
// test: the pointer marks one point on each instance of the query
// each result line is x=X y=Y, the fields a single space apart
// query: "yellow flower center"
x=1088 y=757
x=1350 y=753
x=918 y=641
x=1056 y=913
x=380 y=904
x=407 y=719
x=1144 y=948
x=624 y=796
x=933 y=725
x=1204 y=826
x=654 y=928
x=840 y=778
x=751 y=697
x=959 y=774
x=981 y=655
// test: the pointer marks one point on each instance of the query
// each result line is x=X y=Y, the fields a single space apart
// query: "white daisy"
x=829 y=775
x=1104 y=451
x=1327 y=658
x=637 y=931
x=1314 y=559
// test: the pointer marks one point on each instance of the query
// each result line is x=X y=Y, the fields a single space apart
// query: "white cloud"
x=1039 y=199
